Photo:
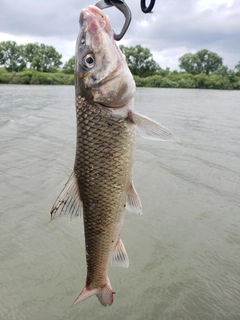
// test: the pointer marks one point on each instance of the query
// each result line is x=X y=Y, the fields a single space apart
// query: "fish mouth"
x=95 y=20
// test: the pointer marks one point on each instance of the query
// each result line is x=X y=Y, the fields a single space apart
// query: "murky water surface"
x=184 y=250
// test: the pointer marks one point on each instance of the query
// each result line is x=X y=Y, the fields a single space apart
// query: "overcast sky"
x=174 y=28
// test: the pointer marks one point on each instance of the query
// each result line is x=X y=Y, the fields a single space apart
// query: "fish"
x=101 y=186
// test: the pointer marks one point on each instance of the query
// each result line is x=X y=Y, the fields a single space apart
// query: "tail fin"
x=104 y=294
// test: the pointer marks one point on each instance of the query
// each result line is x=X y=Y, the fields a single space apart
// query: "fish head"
x=101 y=72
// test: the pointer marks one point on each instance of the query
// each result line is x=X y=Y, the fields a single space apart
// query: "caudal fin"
x=104 y=294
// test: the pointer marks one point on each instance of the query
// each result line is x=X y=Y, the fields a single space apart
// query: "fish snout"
x=95 y=19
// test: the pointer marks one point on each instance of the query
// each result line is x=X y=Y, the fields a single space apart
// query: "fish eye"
x=88 y=61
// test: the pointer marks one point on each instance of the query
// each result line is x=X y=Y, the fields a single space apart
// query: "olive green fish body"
x=103 y=166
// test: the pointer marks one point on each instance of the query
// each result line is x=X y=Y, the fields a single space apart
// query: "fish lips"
x=94 y=20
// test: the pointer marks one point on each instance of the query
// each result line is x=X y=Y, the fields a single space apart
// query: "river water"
x=184 y=250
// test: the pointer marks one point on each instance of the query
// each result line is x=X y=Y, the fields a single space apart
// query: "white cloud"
x=203 y=5
x=169 y=57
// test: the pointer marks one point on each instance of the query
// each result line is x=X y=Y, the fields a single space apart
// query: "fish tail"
x=104 y=294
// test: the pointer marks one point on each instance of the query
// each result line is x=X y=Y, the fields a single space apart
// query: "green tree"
x=69 y=66
x=190 y=63
x=140 y=61
x=12 y=56
x=237 y=66
x=42 y=57
x=203 y=61
x=30 y=50
x=222 y=71
x=202 y=81
x=225 y=72
x=210 y=61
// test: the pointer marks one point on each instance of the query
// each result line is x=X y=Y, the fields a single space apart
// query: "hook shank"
x=121 y=5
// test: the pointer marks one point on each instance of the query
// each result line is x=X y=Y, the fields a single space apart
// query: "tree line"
x=141 y=63
x=39 y=57
x=204 y=69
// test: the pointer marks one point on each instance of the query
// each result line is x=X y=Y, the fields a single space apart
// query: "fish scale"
x=111 y=146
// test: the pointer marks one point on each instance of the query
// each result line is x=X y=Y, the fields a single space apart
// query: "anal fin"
x=119 y=256
x=68 y=202
x=133 y=203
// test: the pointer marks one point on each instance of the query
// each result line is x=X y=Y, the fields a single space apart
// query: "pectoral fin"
x=150 y=129
x=68 y=202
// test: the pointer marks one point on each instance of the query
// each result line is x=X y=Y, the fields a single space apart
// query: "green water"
x=184 y=250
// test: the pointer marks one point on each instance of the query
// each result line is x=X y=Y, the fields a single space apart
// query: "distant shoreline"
x=32 y=77
x=170 y=80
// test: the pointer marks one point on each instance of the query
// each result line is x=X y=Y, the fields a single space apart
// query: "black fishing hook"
x=146 y=9
x=121 y=5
